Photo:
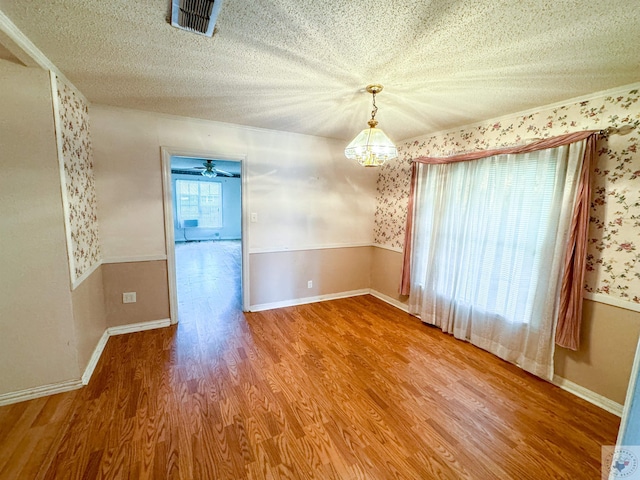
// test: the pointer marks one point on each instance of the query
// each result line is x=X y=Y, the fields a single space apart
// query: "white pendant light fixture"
x=371 y=148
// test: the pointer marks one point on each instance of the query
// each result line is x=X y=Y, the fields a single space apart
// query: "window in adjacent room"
x=199 y=204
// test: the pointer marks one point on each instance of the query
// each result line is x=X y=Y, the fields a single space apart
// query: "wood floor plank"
x=344 y=389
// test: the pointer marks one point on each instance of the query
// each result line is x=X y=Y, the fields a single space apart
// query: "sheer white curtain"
x=489 y=239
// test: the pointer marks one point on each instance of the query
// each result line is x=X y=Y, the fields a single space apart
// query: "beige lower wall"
x=608 y=339
x=283 y=276
x=275 y=277
x=386 y=269
x=150 y=282
x=608 y=345
x=89 y=316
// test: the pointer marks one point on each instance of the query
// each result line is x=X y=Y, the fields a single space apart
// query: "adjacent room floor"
x=344 y=389
x=208 y=279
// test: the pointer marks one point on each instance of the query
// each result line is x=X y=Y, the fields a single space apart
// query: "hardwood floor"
x=345 y=389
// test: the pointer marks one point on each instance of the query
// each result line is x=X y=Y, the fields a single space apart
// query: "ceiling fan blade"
x=222 y=172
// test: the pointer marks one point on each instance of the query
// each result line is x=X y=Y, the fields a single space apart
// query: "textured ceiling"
x=301 y=65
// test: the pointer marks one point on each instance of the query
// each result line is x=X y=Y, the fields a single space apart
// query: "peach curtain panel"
x=405 y=283
x=571 y=293
x=570 y=315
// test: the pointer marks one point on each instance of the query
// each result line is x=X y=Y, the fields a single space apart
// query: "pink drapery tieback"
x=570 y=311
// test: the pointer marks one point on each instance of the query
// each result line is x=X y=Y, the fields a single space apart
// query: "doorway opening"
x=206 y=234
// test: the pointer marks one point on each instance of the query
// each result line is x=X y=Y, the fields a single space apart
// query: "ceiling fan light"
x=209 y=173
x=371 y=148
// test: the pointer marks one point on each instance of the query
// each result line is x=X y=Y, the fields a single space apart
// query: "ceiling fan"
x=208 y=170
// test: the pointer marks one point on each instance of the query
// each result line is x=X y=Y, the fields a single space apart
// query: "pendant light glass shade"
x=372 y=147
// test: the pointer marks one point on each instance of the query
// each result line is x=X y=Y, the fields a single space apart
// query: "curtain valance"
x=543 y=144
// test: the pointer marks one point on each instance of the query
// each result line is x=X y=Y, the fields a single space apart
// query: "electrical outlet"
x=310 y=284
x=129 y=297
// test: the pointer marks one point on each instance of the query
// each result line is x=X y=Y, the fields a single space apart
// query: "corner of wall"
x=149 y=279
x=75 y=155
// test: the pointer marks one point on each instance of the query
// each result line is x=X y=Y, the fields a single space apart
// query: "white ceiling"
x=301 y=65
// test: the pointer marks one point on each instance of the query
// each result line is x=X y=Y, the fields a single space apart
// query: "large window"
x=492 y=228
x=489 y=243
x=199 y=204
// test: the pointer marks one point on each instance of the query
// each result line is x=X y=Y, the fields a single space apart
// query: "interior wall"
x=89 y=316
x=231 y=211
x=386 y=270
x=331 y=271
x=303 y=190
x=148 y=280
x=75 y=157
x=37 y=343
x=608 y=345
x=613 y=262
x=77 y=179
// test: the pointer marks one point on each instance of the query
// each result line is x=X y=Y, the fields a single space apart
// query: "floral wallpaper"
x=78 y=169
x=613 y=262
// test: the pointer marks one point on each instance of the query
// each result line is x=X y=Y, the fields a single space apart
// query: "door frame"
x=631 y=401
x=169 y=235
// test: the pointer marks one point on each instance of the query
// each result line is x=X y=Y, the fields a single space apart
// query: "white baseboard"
x=390 y=300
x=93 y=361
x=120 y=330
x=37 y=392
x=52 y=389
x=138 y=327
x=302 y=301
x=332 y=296
x=586 y=394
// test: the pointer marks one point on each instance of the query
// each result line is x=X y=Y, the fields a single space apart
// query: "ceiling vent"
x=198 y=16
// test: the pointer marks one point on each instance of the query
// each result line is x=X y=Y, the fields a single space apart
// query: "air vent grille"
x=198 y=16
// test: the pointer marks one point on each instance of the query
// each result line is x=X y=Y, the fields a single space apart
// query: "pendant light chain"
x=375 y=108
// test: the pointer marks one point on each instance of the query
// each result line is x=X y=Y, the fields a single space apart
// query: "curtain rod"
x=605 y=132
x=623 y=130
